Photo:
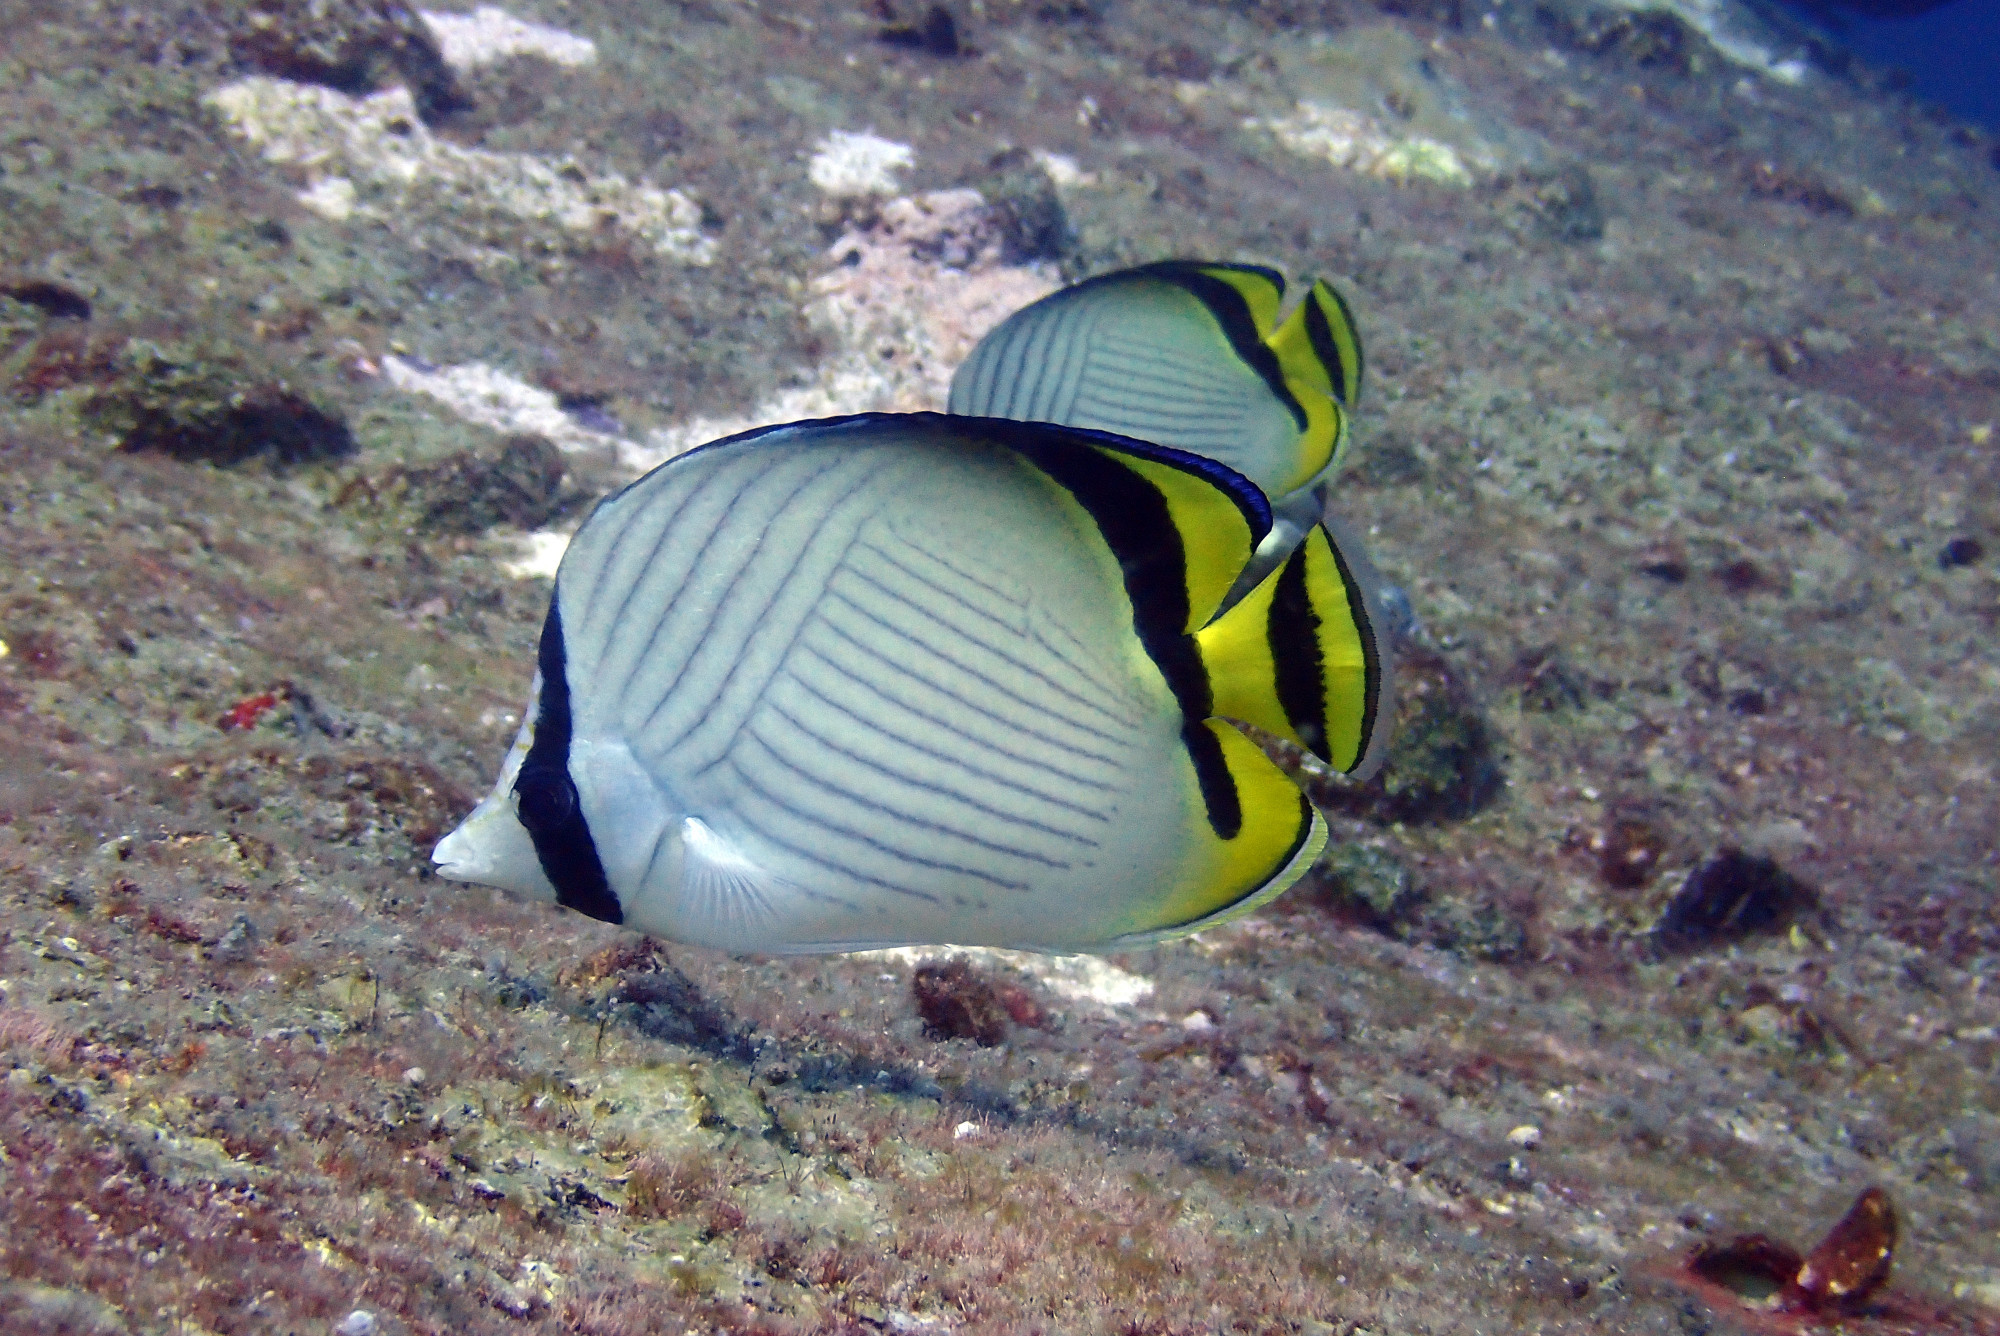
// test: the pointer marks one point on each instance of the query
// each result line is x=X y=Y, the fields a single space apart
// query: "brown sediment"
x=1669 y=919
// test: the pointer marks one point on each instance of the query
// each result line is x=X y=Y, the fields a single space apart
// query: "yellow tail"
x=1296 y=656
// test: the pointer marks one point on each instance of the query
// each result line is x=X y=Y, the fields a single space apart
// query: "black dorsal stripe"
x=1138 y=526
x=1320 y=335
x=1232 y=311
x=1293 y=630
x=1371 y=656
x=545 y=795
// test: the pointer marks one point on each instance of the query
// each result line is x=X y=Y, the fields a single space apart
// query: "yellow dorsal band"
x=1341 y=335
x=1319 y=356
x=1258 y=288
x=1303 y=349
x=1280 y=837
x=1215 y=538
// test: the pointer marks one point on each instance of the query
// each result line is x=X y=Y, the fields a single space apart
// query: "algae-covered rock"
x=1368 y=886
x=38 y=1307
x=1441 y=764
x=1032 y=223
x=197 y=401
x=958 y=1002
x=521 y=481
x=1549 y=683
x=1480 y=928
x=354 y=46
x=1733 y=894
x=1558 y=204
x=1365 y=883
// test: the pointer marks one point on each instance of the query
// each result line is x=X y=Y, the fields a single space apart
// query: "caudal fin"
x=1298 y=655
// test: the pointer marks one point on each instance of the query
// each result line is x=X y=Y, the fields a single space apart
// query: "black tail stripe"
x=1293 y=631
x=1320 y=335
x=1371 y=655
x=545 y=796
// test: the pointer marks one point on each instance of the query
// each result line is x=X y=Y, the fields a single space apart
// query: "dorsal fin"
x=1162 y=510
x=1319 y=350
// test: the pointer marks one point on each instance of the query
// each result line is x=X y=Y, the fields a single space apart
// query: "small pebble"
x=1628 y=851
x=1197 y=1021
x=1665 y=562
x=360 y=1322
x=1851 y=1262
x=964 y=1130
x=1958 y=552
x=1741 y=576
x=414 y=1075
x=1527 y=1136
x=238 y=942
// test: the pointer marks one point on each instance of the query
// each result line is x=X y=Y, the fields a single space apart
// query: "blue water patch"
x=1949 y=52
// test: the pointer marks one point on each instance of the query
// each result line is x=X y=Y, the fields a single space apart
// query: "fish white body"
x=850 y=685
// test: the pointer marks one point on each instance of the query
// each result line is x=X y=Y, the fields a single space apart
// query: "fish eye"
x=546 y=797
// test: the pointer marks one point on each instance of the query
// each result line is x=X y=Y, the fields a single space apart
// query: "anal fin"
x=1280 y=837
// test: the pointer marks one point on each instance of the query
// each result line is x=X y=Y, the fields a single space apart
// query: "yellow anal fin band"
x=1281 y=836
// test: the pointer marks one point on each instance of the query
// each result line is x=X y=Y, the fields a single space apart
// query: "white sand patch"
x=1728 y=29
x=1063 y=170
x=1359 y=143
x=392 y=164
x=489 y=35
x=497 y=399
x=331 y=197
x=1085 y=979
x=847 y=165
x=537 y=555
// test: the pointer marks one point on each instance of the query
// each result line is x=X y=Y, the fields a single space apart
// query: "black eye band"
x=546 y=799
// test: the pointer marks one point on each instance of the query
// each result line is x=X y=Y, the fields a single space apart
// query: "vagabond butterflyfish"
x=1210 y=358
x=897 y=679
x=1221 y=360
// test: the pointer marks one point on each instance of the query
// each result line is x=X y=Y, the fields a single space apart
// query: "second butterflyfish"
x=1215 y=359
x=916 y=678
x=1226 y=361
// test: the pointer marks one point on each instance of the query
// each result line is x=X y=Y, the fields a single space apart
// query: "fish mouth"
x=491 y=848
x=453 y=855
